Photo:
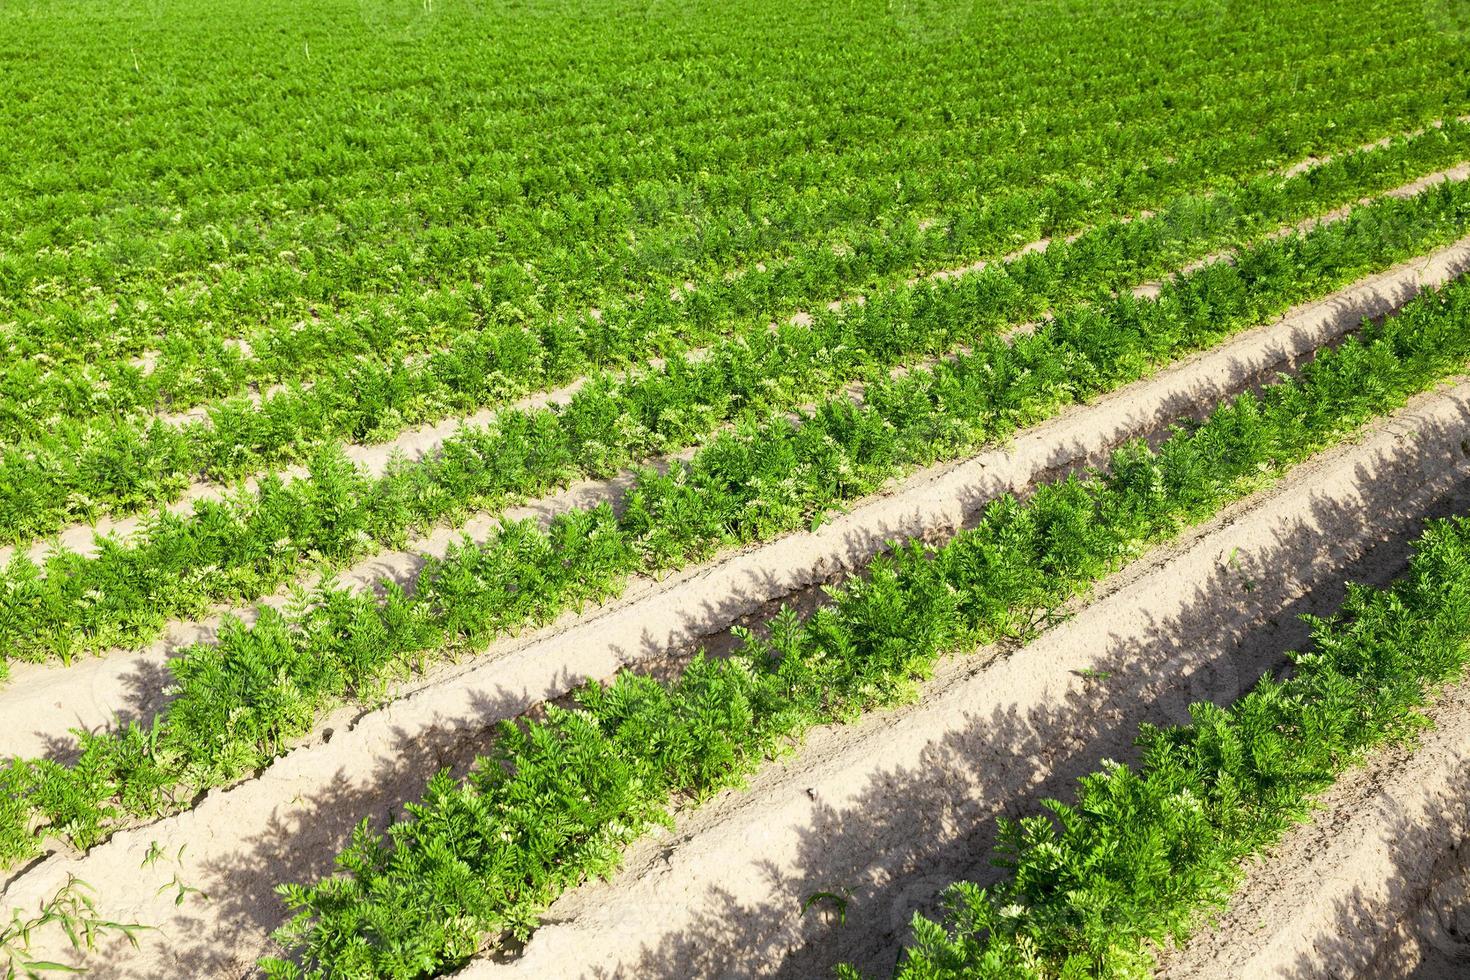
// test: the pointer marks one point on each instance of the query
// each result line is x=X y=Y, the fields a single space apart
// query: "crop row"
x=1143 y=854
x=613 y=420
x=72 y=467
x=352 y=174
x=371 y=373
x=856 y=214
x=243 y=547
x=588 y=211
x=242 y=701
x=475 y=862
x=409 y=326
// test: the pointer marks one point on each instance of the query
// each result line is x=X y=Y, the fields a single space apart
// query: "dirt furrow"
x=47 y=700
x=887 y=812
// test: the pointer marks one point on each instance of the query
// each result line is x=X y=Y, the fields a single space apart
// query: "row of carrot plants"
x=70 y=467
x=375 y=175
x=1142 y=854
x=554 y=801
x=836 y=190
x=243 y=547
x=242 y=701
x=370 y=373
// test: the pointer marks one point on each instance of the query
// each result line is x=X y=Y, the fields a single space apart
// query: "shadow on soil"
x=1426 y=895
x=893 y=846
x=890 y=850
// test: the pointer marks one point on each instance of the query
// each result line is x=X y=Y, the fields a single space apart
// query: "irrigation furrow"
x=886 y=813
x=47 y=701
x=729 y=883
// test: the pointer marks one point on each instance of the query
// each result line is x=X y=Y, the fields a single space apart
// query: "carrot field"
x=858 y=488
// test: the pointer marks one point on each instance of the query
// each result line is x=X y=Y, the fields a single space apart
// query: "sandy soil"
x=1377 y=885
x=47 y=701
x=886 y=808
x=890 y=810
x=1431 y=940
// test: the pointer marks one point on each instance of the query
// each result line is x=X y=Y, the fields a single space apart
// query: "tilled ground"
x=877 y=816
x=887 y=812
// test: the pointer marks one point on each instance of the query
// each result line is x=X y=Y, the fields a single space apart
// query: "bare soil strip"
x=887 y=812
x=1375 y=886
x=1309 y=163
x=45 y=701
x=1431 y=940
x=888 y=809
x=423 y=441
x=1454 y=174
